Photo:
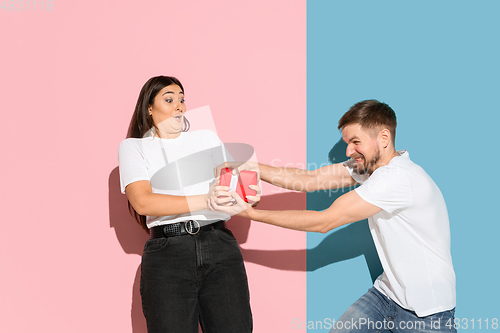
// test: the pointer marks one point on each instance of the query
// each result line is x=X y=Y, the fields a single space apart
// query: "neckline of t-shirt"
x=176 y=140
x=401 y=153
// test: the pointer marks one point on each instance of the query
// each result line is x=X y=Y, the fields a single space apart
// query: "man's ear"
x=385 y=137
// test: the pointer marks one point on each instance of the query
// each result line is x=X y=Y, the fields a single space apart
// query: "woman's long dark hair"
x=142 y=121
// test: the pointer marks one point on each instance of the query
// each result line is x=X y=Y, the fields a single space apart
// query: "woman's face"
x=168 y=111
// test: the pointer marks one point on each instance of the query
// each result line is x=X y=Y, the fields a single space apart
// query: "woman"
x=192 y=269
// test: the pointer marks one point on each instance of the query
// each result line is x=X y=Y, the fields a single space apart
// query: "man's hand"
x=254 y=200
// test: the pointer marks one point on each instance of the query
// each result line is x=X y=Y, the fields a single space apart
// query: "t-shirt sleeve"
x=131 y=164
x=387 y=188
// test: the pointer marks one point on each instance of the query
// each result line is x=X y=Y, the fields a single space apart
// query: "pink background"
x=69 y=251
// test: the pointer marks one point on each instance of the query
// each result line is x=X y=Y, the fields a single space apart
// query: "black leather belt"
x=191 y=227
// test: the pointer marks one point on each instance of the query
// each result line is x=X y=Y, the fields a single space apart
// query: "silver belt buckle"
x=192 y=225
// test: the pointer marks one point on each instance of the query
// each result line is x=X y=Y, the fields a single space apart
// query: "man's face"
x=362 y=146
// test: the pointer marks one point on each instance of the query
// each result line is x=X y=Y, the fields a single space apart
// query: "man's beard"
x=368 y=166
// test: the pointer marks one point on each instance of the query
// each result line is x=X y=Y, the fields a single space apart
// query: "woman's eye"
x=169 y=100
x=182 y=100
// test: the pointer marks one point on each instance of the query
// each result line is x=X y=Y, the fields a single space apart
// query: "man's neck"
x=386 y=158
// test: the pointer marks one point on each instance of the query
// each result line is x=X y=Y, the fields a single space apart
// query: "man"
x=407 y=216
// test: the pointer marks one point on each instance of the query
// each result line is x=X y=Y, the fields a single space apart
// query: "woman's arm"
x=145 y=202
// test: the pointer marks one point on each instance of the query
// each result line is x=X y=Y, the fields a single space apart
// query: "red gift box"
x=239 y=183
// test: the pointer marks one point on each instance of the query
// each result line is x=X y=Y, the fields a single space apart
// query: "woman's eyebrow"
x=171 y=92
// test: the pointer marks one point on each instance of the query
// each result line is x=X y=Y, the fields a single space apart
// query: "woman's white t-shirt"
x=182 y=166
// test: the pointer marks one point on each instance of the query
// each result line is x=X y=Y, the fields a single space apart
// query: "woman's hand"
x=224 y=201
x=237 y=167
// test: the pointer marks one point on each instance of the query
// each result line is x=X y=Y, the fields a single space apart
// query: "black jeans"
x=195 y=278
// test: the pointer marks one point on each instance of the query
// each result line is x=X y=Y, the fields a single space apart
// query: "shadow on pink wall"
x=132 y=237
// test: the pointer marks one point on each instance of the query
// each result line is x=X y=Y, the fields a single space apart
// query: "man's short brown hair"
x=371 y=114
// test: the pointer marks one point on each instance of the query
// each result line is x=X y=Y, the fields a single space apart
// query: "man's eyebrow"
x=353 y=138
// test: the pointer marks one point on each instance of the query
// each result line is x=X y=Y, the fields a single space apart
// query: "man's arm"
x=329 y=177
x=346 y=209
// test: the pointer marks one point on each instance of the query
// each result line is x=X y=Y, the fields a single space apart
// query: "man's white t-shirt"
x=411 y=234
x=182 y=166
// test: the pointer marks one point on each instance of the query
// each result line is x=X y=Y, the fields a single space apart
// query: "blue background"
x=436 y=63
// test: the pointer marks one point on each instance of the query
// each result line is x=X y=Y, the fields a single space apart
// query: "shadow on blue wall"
x=349 y=242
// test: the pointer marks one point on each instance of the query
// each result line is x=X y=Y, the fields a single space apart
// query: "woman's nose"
x=178 y=106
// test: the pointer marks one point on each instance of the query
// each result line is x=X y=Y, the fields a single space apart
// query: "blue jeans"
x=195 y=278
x=375 y=312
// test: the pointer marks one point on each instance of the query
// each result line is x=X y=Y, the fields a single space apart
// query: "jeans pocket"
x=156 y=244
x=226 y=235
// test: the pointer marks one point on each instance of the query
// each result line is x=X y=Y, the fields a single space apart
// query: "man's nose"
x=349 y=151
